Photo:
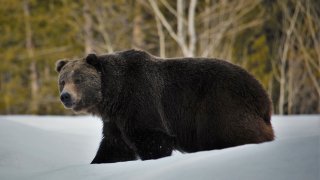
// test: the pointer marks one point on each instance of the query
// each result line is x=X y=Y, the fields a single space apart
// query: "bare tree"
x=101 y=27
x=162 y=42
x=34 y=106
x=137 y=32
x=88 y=32
x=289 y=25
x=299 y=64
x=307 y=36
x=221 y=20
x=191 y=27
x=188 y=49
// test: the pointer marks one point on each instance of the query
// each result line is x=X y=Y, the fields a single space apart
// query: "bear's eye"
x=77 y=81
x=62 y=83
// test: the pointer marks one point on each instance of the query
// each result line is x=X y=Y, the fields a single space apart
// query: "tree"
x=188 y=49
x=30 y=53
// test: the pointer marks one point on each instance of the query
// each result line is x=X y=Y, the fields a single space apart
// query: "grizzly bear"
x=150 y=106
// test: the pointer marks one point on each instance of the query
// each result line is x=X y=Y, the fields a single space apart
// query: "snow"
x=60 y=147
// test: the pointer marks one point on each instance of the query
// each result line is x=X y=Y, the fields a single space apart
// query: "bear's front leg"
x=112 y=147
x=153 y=144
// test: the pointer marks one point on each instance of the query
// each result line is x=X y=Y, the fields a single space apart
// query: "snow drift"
x=59 y=147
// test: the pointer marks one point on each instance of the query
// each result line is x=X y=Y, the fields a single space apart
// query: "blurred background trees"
x=277 y=41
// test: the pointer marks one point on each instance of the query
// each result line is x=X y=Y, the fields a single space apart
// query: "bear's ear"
x=60 y=64
x=93 y=60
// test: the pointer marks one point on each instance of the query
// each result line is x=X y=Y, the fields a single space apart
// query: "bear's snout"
x=66 y=99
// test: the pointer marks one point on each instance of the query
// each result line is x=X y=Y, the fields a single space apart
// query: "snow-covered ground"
x=58 y=147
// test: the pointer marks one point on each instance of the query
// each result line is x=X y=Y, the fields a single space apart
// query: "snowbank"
x=58 y=147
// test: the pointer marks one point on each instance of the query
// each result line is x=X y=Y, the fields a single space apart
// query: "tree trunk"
x=34 y=106
x=137 y=33
x=282 y=88
x=205 y=42
x=289 y=30
x=178 y=36
x=191 y=27
x=88 y=34
x=180 y=18
x=162 y=42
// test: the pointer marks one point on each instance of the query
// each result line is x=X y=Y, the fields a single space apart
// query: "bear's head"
x=80 y=83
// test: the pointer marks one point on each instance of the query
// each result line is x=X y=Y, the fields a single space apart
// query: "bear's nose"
x=65 y=98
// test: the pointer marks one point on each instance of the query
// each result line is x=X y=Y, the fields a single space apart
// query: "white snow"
x=60 y=147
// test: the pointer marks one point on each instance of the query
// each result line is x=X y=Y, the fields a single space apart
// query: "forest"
x=276 y=41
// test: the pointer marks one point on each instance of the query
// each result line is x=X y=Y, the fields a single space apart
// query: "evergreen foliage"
x=276 y=41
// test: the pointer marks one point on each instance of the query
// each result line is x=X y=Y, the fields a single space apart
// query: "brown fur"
x=150 y=106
